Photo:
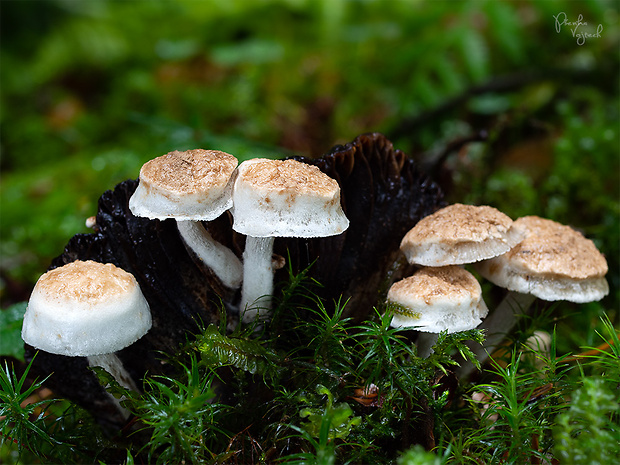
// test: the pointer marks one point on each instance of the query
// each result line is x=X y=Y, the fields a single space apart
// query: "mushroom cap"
x=459 y=234
x=553 y=262
x=286 y=198
x=193 y=185
x=85 y=308
x=437 y=299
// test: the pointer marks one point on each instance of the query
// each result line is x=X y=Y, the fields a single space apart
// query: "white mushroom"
x=191 y=187
x=553 y=262
x=87 y=309
x=459 y=234
x=436 y=299
x=279 y=198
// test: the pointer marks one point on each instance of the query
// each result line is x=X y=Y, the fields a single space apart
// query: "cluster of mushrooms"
x=267 y=199
x=92 y=310
x=531 y=257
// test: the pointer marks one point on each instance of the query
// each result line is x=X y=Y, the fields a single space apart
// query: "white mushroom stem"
x=257 y=277
x=497 y=325
x=538 y=349
x=425 y=343
x=112 y=364
x=224 y=263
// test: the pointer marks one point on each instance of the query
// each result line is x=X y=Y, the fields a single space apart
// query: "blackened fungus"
x=383 y=193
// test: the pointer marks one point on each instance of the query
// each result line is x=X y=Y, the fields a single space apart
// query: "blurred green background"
x=500 y=101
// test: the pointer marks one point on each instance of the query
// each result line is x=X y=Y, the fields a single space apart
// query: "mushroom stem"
x=425 y=343
x=112 y=364
x=497 y=326
x=257 y=277
x=224 y=263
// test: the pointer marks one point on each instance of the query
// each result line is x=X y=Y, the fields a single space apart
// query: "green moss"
x=395 y=308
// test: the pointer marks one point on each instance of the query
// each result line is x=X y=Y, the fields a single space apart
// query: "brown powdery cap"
x=85 y=281
x=286 y=198
x=459 y=234
x=85 y=308
x=190 y=185
x=288 y=176
x=437 y=299
x=553 y=262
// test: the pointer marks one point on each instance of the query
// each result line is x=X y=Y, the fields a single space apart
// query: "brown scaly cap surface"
x=289 y=175
x=189 y=172
x=459 y=234
x=551 y=248
x=86 y=281
x=460 y=222
x=432 y=284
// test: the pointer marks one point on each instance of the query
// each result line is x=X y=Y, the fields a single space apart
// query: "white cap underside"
x=154 y=203
x=546 y=287
x=443 y=253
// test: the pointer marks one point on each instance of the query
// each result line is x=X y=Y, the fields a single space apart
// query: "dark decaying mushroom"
x=382 y=192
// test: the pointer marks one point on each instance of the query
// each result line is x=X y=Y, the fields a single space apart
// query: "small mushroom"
x=459 y=234
x=91 y=222
x=191 y=187
x=436 y=299
x=87 y=309
x=553 y=262
x=538 y=349
x=279 y=198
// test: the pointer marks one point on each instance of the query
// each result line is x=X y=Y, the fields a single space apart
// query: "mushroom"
x=191 y=187
x=553 y=262
x=436 y=299
x=538 y=349
x=87 y=309
x=279 y=198
x=459 y=234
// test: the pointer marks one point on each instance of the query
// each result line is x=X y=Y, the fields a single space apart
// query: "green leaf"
x=253 y=51
x=476 y=54
x=11 y=343
x=335 y=420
